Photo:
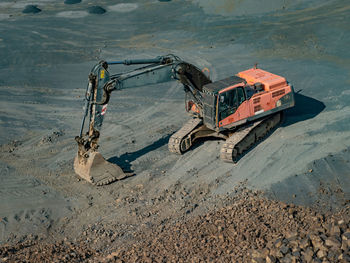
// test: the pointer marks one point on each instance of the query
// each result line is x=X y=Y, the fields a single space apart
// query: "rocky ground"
x=247 y=228
x=175 y=208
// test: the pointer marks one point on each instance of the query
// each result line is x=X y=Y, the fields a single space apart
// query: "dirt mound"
x=72 y=2
x=250 y=228
x=96 y=10
x=31 y=9
x=32 y=251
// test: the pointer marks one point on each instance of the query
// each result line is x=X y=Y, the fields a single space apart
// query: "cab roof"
x=216 y=86
x=269 y=80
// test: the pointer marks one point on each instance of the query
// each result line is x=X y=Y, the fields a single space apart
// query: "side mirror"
x=259 y=87
x=250 y=91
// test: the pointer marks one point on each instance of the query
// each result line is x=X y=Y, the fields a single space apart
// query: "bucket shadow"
x=305 y=108
x=124 y=160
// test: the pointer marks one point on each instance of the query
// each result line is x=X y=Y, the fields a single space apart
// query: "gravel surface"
x=178 y=207
x=248 y=228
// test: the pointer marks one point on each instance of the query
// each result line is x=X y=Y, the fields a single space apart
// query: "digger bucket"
x=96 y=170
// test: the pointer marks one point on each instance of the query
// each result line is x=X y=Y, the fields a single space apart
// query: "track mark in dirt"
x=124 y=7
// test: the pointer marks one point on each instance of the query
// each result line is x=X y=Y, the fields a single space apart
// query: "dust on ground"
x=45 y=61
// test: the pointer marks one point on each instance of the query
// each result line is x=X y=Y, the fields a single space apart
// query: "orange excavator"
x=240 y=109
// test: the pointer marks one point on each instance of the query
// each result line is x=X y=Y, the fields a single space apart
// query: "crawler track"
x=180 y=141
x=245 y=138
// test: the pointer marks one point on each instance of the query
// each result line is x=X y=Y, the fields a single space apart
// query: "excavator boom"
x=89 y=163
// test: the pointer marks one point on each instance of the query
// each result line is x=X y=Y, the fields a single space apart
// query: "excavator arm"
x=89 y=163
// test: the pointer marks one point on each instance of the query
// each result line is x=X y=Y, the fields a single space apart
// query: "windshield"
x=229 y=101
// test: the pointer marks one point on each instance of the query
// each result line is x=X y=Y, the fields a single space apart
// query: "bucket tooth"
x=96 y=170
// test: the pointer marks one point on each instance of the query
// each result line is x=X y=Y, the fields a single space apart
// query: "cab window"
x=229 y=101
x=241 y=95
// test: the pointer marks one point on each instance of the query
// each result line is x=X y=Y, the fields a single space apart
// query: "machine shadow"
x=124 y=160
x=305 y=108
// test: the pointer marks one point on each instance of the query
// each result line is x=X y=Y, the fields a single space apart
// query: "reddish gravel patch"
x=250 y=228
x=32 y=251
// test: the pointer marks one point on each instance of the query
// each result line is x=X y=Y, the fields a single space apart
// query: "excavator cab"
x=221 y=99
x=230 y=100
